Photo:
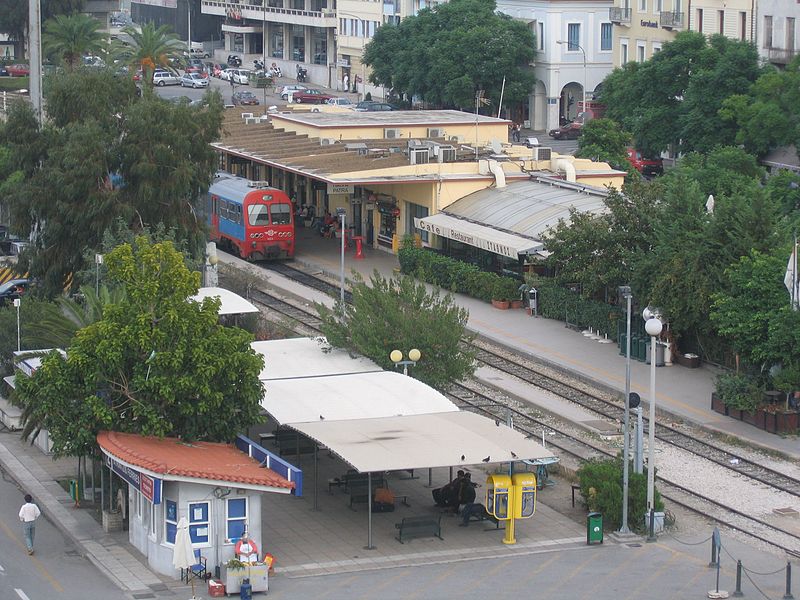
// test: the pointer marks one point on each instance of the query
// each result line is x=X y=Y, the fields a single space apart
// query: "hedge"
x=555 y=302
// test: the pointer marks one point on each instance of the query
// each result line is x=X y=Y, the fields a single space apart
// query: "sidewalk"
x=682 y=393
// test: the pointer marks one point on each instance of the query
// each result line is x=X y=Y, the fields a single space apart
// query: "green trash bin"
x=622 y=346
x=594 y=528
x=74 y=492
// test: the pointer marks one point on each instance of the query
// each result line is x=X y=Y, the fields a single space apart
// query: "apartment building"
x=641 y=27
x=777 y=30
x=574 y=49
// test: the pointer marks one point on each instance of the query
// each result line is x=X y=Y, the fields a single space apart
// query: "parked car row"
x=15 y=71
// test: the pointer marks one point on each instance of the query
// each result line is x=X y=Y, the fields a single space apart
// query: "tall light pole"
x=17 y=303
x=653 y=328
x=625 y=291
x=35 y=54
x=342 y=214
x=98 y=260
x=397 y=358
x=570 y=47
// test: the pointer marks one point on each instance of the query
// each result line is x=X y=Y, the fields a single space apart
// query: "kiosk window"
x=170 y=521
x=198 y=522
x=236 y=518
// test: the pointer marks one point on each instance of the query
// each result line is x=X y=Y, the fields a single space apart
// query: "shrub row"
x=556 y=302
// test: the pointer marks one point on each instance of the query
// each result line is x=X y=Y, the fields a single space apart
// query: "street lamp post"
x=17 y=303
x=342 y=214
x=397 y=358
x=561 y=42
x=625 y=291
x=653 y=328
x=98 y=260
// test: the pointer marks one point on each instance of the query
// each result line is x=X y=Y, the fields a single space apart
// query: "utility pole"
x=35 y=55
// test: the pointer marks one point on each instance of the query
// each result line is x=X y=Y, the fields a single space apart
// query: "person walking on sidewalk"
x=28 y=515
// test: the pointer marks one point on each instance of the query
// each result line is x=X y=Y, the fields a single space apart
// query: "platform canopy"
x=478 y=235
x=308 y=357
x=231 y=303
x=350 y=396
x=422 y=441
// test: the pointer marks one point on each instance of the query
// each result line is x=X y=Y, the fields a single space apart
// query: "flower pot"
x=501 y=304
x=717 y=405
x=735 y=413
x=749 y=417
x=516 y=304
x=787 y=422
x=760 y=418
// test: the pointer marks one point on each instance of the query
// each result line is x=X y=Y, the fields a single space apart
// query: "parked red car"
x=649 y=167
x=570 y=131
x=18 y=70
x=311 y=97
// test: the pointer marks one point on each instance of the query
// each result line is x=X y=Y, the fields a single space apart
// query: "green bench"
x=414 y=527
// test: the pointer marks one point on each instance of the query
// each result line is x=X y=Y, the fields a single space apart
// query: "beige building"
x=641 y=27
x=389 y=170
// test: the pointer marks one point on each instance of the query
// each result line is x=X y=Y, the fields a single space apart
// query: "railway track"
x=580 y=448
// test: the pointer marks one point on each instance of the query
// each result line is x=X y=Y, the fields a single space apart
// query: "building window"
x=767 y=32
x=199 y=522
x=605 y=37
x=319 y=43
x=623 y=53
x=170 y=521
x=541 y=36
x=416 y=211
x=573 y=37
x=659 y=6
x=743 y=26
x=640 y=52
x=235 y=518
x=790 y=39
x=642 y=5
x=276 y=40
x=656 y=49
x=677 y=6
x=298 y=43
x=700 y=20
x=721 y=15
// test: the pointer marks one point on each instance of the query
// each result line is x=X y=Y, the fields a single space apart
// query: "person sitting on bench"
x=443 y=496
x=473 y=509
x=466 y=492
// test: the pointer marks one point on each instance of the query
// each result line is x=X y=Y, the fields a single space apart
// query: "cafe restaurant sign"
x=150 y=487
x=469 y=238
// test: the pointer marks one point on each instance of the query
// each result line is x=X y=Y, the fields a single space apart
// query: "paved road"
x=54 y=572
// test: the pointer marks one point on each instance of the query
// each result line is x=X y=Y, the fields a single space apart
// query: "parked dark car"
x=370 y=106
x=311 y=97
x=244 y=98
x=234 y=60
x=570 y=131
x=11 y=289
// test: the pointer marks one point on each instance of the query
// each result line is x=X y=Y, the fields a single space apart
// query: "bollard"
x=651 y=536
x=714 y=557
x=788 y=594
x=737 y=593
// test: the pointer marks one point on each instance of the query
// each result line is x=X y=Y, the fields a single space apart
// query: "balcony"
x=672 y=20
x=619 y=15
x=780 y=56
x=254 y=10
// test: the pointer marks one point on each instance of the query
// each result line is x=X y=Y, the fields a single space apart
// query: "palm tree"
x=70 y=37
x=150 y=48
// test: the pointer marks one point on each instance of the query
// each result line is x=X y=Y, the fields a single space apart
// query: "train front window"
x=281 y=214
x=257 y=214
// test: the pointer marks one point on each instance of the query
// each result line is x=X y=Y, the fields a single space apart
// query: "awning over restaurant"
x=480 y=236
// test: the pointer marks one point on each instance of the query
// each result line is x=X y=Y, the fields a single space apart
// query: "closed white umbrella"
x=183 y=553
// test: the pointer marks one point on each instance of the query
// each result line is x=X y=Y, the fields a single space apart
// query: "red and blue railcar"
x=250 y=219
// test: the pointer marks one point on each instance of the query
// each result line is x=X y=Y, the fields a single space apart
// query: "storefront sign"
x=150 y=487
x=649 y=24
x=340 y=188
x=163 y=3
x=467 y=238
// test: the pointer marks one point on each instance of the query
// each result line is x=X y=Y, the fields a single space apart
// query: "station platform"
x=681 y=393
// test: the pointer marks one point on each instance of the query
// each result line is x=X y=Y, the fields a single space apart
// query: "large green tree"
x=155 y=364
x=14 y=15
x=148 y=48
x=672 y=101
x=401 y=314
x=69 y=38
x=105 y=154
x=446 y=54
x=604 y=140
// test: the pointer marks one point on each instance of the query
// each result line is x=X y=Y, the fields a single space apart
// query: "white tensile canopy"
x=231 y=303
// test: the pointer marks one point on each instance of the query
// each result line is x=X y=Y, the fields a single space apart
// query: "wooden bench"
x=412 y=527
x=484 y=516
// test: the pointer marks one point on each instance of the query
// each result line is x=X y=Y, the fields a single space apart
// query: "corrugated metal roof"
x=528 y=208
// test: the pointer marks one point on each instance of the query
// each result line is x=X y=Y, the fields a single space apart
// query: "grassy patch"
x=14 y=83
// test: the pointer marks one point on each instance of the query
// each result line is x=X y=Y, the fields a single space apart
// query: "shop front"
x=388 y=215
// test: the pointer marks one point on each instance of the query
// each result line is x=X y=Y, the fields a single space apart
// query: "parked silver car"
x=194 y=80
x=162 y=78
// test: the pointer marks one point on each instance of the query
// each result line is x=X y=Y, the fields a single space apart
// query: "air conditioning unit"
x=392 y=134
x=418 y=156
x=435 y=132
x=258 y=184
x=447 y=154
x=542 y=153
x=361 y=148
x=327 y=142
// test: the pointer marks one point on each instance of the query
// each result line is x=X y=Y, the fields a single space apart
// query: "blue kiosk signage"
x=150 y=487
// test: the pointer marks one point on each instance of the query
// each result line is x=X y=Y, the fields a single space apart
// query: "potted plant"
x=504 y=291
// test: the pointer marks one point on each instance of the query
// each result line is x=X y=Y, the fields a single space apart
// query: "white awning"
x=422 y=441
x=350 y=396
x=295 y=358
x=231 y=303
x=480 y=236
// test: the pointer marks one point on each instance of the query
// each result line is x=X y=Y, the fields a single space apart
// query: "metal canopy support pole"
x=626 y=434
x=102 y=487
x=369 y=545
x=316 y=473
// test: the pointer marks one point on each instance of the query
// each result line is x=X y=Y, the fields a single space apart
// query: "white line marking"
x=2 y=570
x=21 y=594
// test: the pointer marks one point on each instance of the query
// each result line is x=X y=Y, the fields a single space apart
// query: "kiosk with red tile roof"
x=217 y=487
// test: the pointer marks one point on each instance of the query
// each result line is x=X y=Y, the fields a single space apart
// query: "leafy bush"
x=601 y=486
x=738 y=391
x=556 y=302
